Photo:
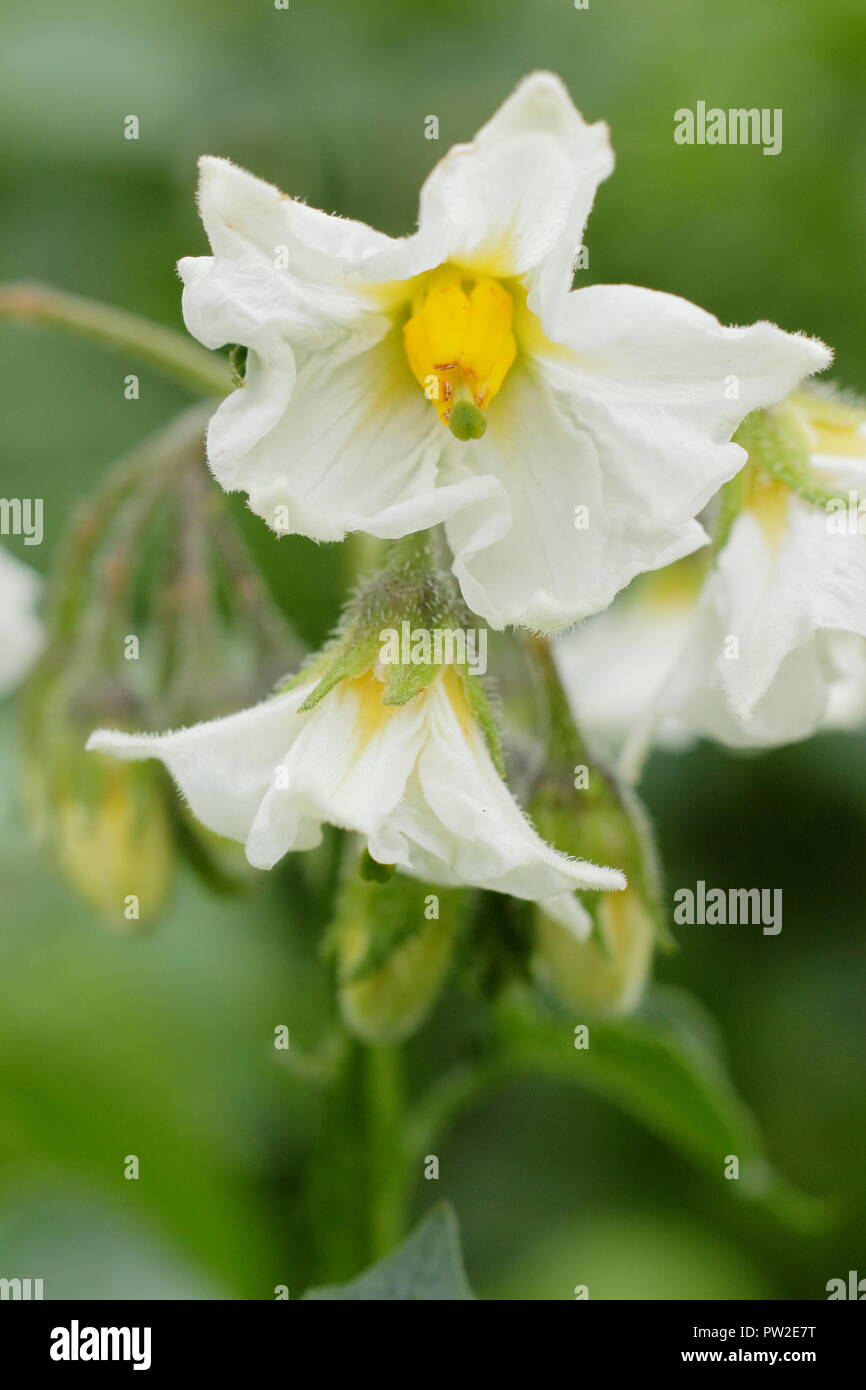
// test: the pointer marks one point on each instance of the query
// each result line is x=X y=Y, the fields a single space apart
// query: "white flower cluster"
x=569 y=440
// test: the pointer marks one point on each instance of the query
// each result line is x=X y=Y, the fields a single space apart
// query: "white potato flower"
x=416 y=780
x=781 y=622
x=21 y=634
x=616 y=667
x=567 y=438
x=772 y=647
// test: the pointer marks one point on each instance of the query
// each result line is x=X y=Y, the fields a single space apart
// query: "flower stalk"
x=171 y=352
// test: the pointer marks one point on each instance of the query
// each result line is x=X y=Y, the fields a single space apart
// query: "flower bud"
x=596 y=817
x=155 y=615
x=606 y=973
x=394 y=944
x=115 y=845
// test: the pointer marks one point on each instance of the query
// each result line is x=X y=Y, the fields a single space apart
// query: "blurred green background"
x=162 y=1046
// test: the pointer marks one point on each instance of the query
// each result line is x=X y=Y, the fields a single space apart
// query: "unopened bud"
x=114 y=843
x=607 y=973
x=394 y=944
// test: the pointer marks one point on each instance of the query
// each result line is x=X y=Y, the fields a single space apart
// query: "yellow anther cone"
x=460 y=345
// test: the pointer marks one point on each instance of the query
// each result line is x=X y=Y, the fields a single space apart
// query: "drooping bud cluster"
x=154 y=616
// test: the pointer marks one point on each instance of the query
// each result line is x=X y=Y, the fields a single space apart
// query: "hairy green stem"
x=388 y=1172
x=172 y=352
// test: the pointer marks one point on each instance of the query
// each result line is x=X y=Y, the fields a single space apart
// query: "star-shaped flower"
x=567 y=439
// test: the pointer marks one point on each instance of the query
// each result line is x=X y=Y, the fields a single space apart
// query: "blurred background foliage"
x=162 y=1046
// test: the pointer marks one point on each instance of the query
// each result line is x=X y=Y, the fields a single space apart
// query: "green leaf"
x=663 y=1067
x=428 y=1266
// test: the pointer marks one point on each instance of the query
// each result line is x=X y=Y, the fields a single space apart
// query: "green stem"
x=174 y=354
x=388 y=1169
x=448 y=1098
x=358 y=1200
x=565 y=744
x=68 y=591
x=335 y=1185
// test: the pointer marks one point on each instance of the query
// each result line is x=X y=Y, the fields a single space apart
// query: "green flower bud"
x=394 y=944
x=155 y=616
x=583 y=809
x=607 y=973
x=115 y=845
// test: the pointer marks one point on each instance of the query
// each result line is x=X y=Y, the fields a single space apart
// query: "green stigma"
x=466 y=421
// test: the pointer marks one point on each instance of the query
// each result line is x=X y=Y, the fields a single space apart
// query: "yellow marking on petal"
x=832 y=426
x=769 y=500
x=458 y=701
x=371 y=712
x=674 y=586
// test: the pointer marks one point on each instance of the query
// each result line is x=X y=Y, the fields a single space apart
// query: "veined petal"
x=616 y=666
x=224 y=767
x=349 y=767
x=243 y=214
x=664 y=385
x=465 y=827
x=534 y=559
x=761 y=665
x=357 y=448
x=300 y=291
x=517 y=197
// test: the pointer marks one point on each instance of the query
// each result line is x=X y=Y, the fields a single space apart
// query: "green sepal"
x=479 y=699
x=394 y=911
x=374 y=872
x=238 y=363
x=496 y=947
x=411 y=588
x=777 y=444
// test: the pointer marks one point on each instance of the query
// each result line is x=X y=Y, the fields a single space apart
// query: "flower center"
x=460 y=345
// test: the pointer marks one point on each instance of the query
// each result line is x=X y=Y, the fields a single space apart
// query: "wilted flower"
x=114 y=843
x=154 y=613
x=568 y=439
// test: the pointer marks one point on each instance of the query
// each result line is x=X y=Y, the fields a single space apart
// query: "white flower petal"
x=662 y=385
x=417 y=781
x=846 y=698
x=243 y=214
x=224 y=767
x=783 y=594
x=570 y=913
x=356 y=449
x=348 y=766
x=616 y=667
x=518 y=196
x=21 y=633
x=524 y=560
x=466 y=826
